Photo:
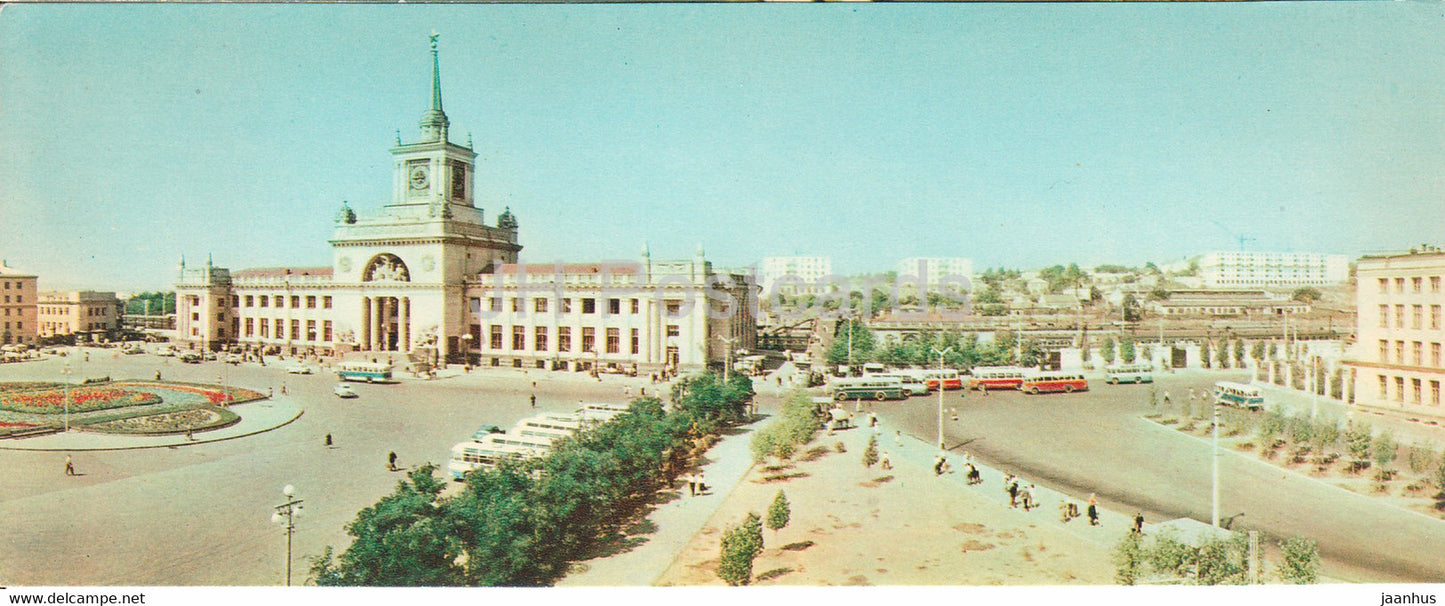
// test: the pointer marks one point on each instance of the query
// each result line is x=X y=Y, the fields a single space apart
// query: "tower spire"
x=434 y=123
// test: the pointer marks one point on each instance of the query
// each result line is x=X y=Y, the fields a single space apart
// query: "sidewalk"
x=256 y=417
x=1403 y=429
x=676 y=522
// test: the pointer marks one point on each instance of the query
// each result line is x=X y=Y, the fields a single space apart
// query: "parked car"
x=234 y=359
x=344 y=390
x=299 y=369
x=191 y=357
x=210 y=355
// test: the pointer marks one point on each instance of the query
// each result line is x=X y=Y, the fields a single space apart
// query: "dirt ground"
x=853 y=525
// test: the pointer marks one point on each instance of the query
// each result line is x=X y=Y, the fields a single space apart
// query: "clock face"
x=418 y=177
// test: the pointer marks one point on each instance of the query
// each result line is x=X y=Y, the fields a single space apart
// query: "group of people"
x=695 y=483
x=1018 y=494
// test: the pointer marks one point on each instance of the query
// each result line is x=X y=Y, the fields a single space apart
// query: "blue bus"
x=1238 y=395
x=370 y=372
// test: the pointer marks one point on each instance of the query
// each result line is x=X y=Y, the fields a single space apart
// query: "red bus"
x=997 y=377
x=1043 y=382
x=933 y=378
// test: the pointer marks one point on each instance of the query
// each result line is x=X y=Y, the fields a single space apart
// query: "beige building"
x=17 y=306
x=1396 y=360
x=412 y=278
x=77 y=312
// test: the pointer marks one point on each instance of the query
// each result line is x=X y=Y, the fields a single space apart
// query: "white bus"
x=467 y=456
x=1129 y=373
x=1238 y=395
x=539 y=443
x=600 y=412
x=548 y=425
x=913 y=384
x=370 y=372
x=997 y=377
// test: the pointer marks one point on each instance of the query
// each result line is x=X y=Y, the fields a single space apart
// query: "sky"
x=1017 y=135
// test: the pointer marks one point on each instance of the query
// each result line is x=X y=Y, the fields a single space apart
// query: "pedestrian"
x=701 y=485
x=158 y=375
x=391 y=461
x=283 y=388
x=1138 y=523
x=974 y=478
x=1093 y=510
x=69 y=466
x=1028 y=498
x=872 y=419
x=1166 y=397
x=884 y=462
x=328 y=440
x=189 y=437
x=534 y=400
x=954 y=413
x=983 y=387
x=1013 y=493
x=898 y=438
x=691 y=484
x=270 y=392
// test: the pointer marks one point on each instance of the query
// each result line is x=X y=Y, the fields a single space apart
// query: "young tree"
x=1222 y=561
x=1128 y=557
x=1257 y=352
x=1306 y=294
x=1357 y=439
x=1384 y=453
x=740 y=546
x=1221 y=356
x=1440 y=473
x=779 y=513
x=1325 y=434
x=1106 y=349
x=870 y=453
x=1204 y=353
x=1239 y=353
x=1301 y=565
x=1126 y=351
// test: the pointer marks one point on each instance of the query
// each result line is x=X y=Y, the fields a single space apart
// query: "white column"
x=365 y=341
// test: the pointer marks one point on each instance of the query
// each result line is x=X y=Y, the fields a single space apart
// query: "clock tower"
x=433 y=176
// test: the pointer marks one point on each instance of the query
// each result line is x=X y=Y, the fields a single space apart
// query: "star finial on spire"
x=434 y=36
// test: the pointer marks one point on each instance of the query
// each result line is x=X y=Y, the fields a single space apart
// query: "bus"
x=912 y=384
x=371 y=372
x=1129 y=373
x=1052 y=381
x=467 y=456
x=868 y=387
x=935 y=378
x=600 y=412
x=1238 y=395
x=548 y=425
x=997 y=377
x=539 y=443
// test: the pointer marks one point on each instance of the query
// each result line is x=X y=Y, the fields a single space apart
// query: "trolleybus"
x=1051 y=381
x=1238 y=395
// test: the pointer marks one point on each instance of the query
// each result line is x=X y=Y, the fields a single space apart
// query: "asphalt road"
x=200 y=514
x=1098 y=441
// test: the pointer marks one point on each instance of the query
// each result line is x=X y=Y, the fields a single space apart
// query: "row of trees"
x=1214 y=561
x=523 y=522
x=742 y=544
x=966 y=350
x=155 y=303
x=795 y=426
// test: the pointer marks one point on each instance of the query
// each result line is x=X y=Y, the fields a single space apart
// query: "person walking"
x=328 y=440
x=1166 y=397
x=701 y=484
x=884 y=462
x=391 y=461
x=534 y=400
x=983 y=387
x=1138 y=523
x=1028 y=498
x=1093 y=510
x=1013 y=493
x=69 y=466
x=938 y=464
x=691 y=484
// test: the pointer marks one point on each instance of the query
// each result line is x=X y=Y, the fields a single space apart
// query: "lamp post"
x=66 y=372
x=1214 y=500
x=728 y=362
x=940 y=392
x=285 y=515
x=467 y=351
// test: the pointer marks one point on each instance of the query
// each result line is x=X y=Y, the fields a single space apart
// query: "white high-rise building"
x=934 y=270
x=803 y=273
x=1266 y=269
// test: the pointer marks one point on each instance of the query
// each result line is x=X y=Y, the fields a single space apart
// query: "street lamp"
x=1214 y=500
x=66 y=386
x=940 y=392
x=467 y=351
x=285 y=515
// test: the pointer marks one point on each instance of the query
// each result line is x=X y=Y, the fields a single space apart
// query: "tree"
x=1106 y=349
x=1257 y=352
x=1133 y=311
x=1204 y=353
x=1440 y=473
x=870 y=454
x=1325 y=434
x=1222 y=561
x=1357 y=439
x=1301 y=565
x=1221 y=356
x=741 y=545
x=1384 y=453
x=863 y=343
x=1306 y=294
x=1128 y=557
x=1158 y=294
x=1126 y=351
x=989 y=302
x=404 y=540
x=1239 y=353
x=779 y=513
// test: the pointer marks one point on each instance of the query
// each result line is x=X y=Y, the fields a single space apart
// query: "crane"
x=1242 y=238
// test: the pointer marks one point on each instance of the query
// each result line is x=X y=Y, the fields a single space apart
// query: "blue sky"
x=1014 y=134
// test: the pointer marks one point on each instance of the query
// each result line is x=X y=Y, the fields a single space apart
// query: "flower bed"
x=218 y=395
x=10 y=427
x=180 y=421
x=51 y=400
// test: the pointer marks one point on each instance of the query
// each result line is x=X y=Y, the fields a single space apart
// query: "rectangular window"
x=539 y=305
x=1415 y=284
x=220 y=316
x=674 y=307
x=1399 y=352
x=1434 y=393
x=310 y=301
x=539 y=339
x=262 y=300
x=1434 y=283
x=280 y=329
x=1416 y=352
x=1384 y=285
x=636 y=341
x=265 y=328
x=589 y=339
x=496 y=337
x=566 y=306
x=517 y=304
x=250 y=327
x=494 y=304
x=278 y=301
x=295 y=301
x=1434 y=317
x=589 y=306
x=296 y=329
x=1416 y=312
x=672 y=330
x=614 y=306
x=1435 y=355
x=1399 y=285
x=1384 y=351
x=564 y=337
x=1383 y=395
x=235 y=300
x=326 y=303
x=519 y=338
x=311 y=330
x=1399 y=389
x=1384 y=316
x=635 y=305
x=1415 y=390
x=614 y=340
x=326 y=330
x=1399 y=316
x=250 y=300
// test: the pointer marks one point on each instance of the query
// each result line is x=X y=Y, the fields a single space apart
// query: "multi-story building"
x=1272 y=269
x=78 y=312
x=797 y=274
x=17 y=306
x=412 y=278
x=933 y=271
x=1396 y=360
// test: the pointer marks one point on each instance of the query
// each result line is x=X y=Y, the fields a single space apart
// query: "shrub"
x=779 y=512
x=1383 y=450
x=870 y=454
x=1420 y=459
x=1301 y=561
x=740 y=545
x=1128 y=557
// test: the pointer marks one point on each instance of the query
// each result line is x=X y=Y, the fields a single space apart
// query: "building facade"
x=18 y=306
x=412 y=278
x=1396 y=360
x=78 y=312
x=933 y=271
x=1226 y=303
x=797 y=274
x=1272 y=269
